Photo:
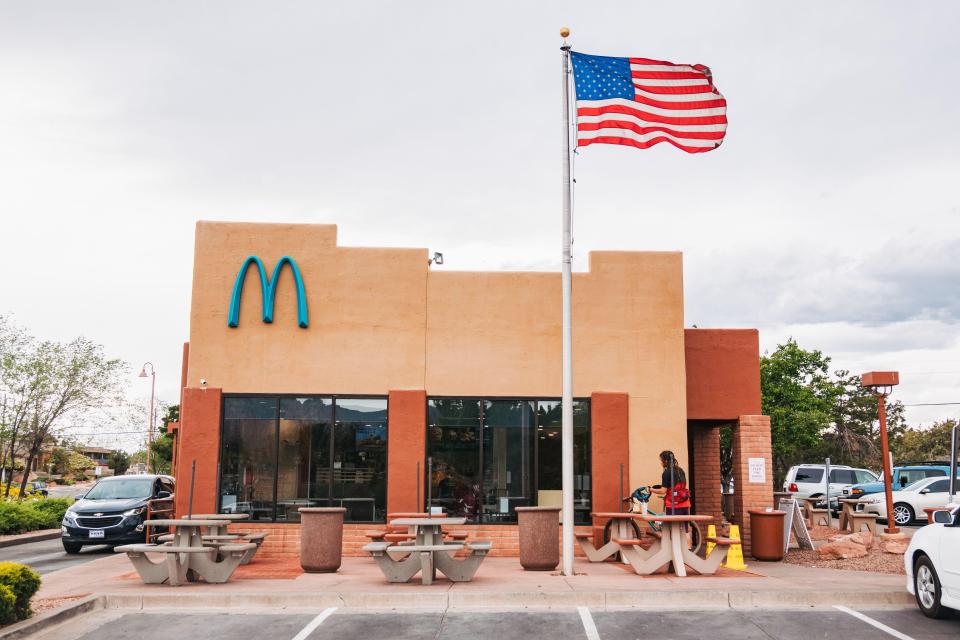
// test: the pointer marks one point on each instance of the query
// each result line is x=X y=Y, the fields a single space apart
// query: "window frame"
x=480 y=399
x=276 y=431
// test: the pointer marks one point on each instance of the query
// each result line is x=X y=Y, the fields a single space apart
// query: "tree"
x=161 y=449
x=799 y=397
x=64 y=379
x=119 y=462
x=918 y=444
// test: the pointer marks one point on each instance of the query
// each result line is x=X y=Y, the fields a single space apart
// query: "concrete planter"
x=539 y=537
x=321 y=538
x=766 y=534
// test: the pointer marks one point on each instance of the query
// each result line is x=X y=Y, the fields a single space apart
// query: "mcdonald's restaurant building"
x=324 y=375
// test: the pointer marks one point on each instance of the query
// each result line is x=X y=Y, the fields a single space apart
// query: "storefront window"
x=454 y=443
x=283 y=453
x=491 y=456
x=549 y=465
x=248 y=461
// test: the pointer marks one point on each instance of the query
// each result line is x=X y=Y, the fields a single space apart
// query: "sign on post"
x=758 y=470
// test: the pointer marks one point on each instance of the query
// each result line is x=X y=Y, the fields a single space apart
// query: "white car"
x=806 y=480
x=932 y=562
x=909 y=502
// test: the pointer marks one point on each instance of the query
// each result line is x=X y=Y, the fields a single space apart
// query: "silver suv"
x=807 y=481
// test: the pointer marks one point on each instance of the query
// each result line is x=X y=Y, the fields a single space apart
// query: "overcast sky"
x=831 y=213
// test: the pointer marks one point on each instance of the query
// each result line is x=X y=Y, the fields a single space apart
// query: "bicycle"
x=639 y=503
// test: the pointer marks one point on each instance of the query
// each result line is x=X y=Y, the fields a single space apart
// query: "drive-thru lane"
x=343 y=624
x=45 y=556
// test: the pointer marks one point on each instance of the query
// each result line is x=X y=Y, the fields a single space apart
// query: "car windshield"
x=121 y=489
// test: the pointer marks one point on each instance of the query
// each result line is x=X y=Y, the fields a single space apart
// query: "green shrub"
x=23 y=582
x=8 y=605
x=17 y=517
x=51 y=510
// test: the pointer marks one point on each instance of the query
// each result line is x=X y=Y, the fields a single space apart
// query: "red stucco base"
x=198 y=440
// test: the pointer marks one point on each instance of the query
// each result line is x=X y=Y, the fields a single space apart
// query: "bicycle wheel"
x=609 y=526
x=696 y=538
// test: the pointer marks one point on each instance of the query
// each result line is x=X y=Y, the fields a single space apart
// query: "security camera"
x=203 y=382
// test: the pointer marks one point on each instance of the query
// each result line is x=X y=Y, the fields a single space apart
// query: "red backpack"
x=680 y=493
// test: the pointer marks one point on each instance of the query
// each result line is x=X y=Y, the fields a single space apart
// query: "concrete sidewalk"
x=500 y=583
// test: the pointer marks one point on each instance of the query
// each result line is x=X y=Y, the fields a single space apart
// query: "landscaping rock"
x=895 y=546
x=842 y=550
x=863 y=538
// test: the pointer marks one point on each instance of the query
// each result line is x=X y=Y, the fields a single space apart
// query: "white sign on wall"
x=758 y=470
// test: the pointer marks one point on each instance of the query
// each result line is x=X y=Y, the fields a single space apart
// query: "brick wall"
x=751 y=439
x=705 y=468
x=284 y=539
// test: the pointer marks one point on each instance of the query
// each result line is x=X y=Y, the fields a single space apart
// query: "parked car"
x=909 y=502
x=902 y=476
x=807 y=481
x=112 y=511
x=932 y=562
x=35 y=488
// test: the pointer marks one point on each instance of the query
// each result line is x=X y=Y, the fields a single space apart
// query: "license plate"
x=96 y=533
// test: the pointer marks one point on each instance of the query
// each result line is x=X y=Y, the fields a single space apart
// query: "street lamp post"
x=153 y=386
x=882 y=384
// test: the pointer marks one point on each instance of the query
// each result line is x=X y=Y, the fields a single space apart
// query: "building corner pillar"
x=751 y=441
x=609 y=452
x=199 y=440
x=705 y=469
x=407 y=437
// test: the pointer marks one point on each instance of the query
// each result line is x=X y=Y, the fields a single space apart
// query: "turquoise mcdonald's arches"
x=268 y=290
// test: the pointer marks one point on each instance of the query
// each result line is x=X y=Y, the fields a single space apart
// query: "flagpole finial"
x=564 y=32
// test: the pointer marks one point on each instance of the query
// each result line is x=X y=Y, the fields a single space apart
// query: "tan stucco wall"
x=380 y=320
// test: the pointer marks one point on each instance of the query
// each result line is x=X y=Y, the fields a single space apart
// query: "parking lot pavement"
x=808 y=624
x=45 y=556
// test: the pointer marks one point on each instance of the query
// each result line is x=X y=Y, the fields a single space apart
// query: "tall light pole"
x=882 y=384
x=153 y=386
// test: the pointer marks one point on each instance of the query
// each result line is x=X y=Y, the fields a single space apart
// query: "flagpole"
x=566 y=284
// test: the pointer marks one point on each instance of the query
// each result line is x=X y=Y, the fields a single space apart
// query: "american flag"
x=640 y=102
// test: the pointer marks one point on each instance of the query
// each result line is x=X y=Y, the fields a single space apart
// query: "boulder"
x=841 y=550
x=863 y=538
x=898 y=547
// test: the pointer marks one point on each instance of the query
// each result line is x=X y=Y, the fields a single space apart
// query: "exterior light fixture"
x=881 y=383
x=153 y=386
x=436 y=259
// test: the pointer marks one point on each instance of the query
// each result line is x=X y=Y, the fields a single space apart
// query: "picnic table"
x=622 y=528
x=428 y=552
x=672 y=547
x=218 y=533
x=849 y=506
x=185 y=554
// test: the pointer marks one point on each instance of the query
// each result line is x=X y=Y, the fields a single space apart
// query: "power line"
x=932 y=404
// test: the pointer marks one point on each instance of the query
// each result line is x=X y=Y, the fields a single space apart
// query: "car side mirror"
x=924 y=491
x=943 y=517
x=79 y=496
x=163 y=494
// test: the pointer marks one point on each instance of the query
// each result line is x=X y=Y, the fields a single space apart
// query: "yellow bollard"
x=711 y=533
x=734 y=558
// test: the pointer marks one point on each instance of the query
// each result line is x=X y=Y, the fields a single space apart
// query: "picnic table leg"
x=709 y=565
x=177 y=568
x=459 y=570
x=598 y=555
x=426 y=562
x=677 y=541
x=150 y=572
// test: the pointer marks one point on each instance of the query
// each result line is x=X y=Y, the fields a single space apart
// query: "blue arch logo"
x=268 y=289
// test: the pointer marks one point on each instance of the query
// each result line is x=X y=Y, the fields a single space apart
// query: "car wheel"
x=72 y=547
x=902 y=514
x=926 y=586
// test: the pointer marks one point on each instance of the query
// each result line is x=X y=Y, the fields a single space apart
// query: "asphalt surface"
x=583 y=624
x=48 y=555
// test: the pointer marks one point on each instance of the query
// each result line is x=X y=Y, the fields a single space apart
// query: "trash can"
x=766 y=535
x=321 y=538
x=539 y=537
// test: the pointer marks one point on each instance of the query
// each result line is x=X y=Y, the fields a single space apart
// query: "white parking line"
x=316 y=622
x=873 y=623
x=588 y=626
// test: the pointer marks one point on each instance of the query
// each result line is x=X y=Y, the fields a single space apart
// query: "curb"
x=30 y=626
x=597 y=600
x=33 y=536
